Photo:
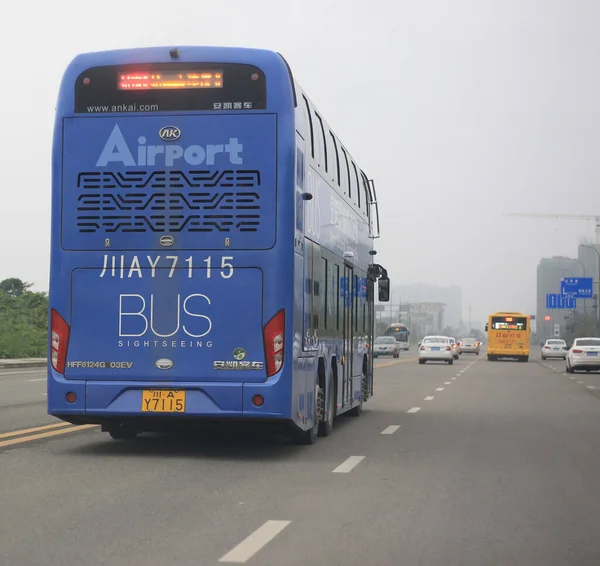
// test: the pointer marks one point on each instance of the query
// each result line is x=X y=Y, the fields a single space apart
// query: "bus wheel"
x=326 y=426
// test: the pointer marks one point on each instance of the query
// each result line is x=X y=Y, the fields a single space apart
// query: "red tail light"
x=546 y=347
x=448 y=348
x=578 y=351
x=274 y=337
x=60 y=341
x=422 y=348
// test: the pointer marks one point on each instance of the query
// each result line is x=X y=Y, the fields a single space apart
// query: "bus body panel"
x=204 y=328
x=215 y=187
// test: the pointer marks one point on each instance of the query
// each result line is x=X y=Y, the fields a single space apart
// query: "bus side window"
x=357 y=183
x=349 y=191
x=326 y=158
x=337 y=158
x=310 y=123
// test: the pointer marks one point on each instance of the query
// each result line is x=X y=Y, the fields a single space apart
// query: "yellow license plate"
x=163 y=401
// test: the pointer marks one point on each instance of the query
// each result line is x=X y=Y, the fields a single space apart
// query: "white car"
x=454 y=345
x=584 y=354
x=386 y=346
x=436 y=348
x=554 y=348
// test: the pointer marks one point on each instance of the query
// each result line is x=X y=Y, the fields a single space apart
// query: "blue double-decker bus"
x=212 y=247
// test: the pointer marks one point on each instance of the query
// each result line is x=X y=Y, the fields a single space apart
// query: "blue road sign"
x=581 y=287
x=556 y=301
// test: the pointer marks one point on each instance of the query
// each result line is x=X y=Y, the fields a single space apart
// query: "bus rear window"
x=509 y=323
x=170 y=87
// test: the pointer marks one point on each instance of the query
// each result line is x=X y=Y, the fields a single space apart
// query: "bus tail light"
x=60 y=341
x=274 y=337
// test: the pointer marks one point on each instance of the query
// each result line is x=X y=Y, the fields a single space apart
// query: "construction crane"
x=596 y=219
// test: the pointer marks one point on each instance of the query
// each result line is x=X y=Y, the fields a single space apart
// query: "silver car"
x=386 y=346
x=554 y=348
x=468 y=346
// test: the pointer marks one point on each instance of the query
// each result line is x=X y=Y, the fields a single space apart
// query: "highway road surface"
x=475 y=464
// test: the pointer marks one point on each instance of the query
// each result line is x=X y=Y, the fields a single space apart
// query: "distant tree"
x=14 y=287
x=23 y=320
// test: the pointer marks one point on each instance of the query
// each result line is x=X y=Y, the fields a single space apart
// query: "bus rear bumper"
x=100 y=402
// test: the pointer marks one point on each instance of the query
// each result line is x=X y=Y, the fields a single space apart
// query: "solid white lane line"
x=390 y=429
x=255 y=542
x=348 y=465
x=414 y=410
x=440 y=389
x=430 y=398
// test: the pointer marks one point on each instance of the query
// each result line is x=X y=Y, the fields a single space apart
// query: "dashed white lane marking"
x=453 y=378
x=591 y=387
x=430 y=398
x=580 y=382
x=348 y=465
x=414 y=410
x=390 y=429
x=255 y=542
x=440 y=388
x=42 y=379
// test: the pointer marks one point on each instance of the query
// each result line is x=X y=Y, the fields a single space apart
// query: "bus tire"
x=326 y=425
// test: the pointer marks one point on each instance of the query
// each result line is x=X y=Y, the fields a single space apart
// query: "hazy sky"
x=461 y=110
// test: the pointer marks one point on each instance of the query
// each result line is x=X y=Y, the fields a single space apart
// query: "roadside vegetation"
x=23 y=320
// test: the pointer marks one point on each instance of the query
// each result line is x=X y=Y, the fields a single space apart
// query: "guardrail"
x=23 y=363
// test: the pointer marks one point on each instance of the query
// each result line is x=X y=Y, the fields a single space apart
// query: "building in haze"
x=550 y=271
x=450 y=296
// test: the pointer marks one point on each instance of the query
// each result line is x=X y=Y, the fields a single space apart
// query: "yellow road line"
x=30 y=430
x=402 y=361
x=44 y=435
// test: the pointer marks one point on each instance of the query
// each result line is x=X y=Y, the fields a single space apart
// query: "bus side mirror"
x=384 y=290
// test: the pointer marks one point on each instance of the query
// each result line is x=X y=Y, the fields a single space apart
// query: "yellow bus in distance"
x=509 y=336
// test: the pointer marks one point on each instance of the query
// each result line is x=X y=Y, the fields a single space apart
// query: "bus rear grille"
x=169 y=201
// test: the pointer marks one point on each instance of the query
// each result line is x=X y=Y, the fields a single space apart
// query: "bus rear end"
x=508 y=336
x=164 y=229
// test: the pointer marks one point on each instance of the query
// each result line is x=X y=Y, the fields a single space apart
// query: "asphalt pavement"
x=475 y=464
